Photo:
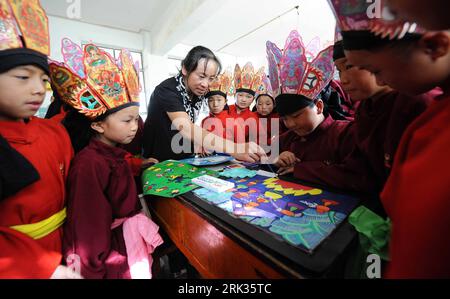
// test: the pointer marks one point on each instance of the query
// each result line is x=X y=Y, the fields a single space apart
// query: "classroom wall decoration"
x=300 y=215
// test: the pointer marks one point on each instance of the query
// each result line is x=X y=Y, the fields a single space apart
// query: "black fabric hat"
x=290 y=103
x=12 y=58
x=366 y=40
x=214 y=93
x=338 y=50
x=249 y=91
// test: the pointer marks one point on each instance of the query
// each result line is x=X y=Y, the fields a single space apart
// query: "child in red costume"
x=35 y=154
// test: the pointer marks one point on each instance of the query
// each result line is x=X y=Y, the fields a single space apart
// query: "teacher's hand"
x=249 y=152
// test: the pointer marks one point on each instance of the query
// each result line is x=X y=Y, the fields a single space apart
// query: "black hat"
x=12 y=58
x=338 y=50
x=363 y=31
x=365 y=40
x=290 y=103
x=249 y=91
x=214 y=93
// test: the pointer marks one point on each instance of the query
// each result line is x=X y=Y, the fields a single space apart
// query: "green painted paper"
x=171 y=178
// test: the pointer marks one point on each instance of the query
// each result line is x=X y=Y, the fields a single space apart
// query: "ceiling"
x=214 y=26
x=130 y=15
x=238 y=18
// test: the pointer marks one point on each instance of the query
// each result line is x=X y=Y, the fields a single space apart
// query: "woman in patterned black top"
x=170 y=131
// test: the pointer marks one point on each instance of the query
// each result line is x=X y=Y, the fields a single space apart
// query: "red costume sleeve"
x=416 y=198
x=47 y=146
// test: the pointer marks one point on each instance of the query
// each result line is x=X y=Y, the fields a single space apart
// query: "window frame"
x=117 y=49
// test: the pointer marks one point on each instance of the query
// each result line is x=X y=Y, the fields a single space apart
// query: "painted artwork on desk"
x=208 y=161
x=171 y=178
x=302 y=216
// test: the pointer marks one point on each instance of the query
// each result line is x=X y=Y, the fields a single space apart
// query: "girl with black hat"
x=246 y=83
x=102 y=196
x=269 y=124
x=267 y=116
x=216 y=122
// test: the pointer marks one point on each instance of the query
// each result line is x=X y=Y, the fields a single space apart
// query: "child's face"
x=120 y=127
x=244 y=100
x=22 y=92
x=216 y=103
x=358 y=83
x=198 y=81
x=413 y=69
x=431 y=14
x=305 y=121
x=265 y=105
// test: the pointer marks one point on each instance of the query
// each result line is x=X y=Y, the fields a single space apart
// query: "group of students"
x=252 y=117
x=385 y=135
x=396 y=77
x=66 y=216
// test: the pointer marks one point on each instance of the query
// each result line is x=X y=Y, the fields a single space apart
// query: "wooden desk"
x=219 y=251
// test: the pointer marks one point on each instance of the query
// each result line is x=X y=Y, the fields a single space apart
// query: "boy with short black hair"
x=316 y=148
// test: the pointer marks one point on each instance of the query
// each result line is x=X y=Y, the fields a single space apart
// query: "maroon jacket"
x=379 y=126
x=329 y=157
x=346 y=104
x=101 y=188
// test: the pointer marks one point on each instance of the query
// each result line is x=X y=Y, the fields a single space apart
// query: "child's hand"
x=149 y=162
x=285 y=170
x=287 y=159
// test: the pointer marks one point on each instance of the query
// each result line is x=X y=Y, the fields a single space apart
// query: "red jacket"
x=417 y=198
x=217 y=123
x=246 y=122
x=47 y=146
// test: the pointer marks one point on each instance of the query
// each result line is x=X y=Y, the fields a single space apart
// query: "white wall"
x=156 y=68
x=80 y=32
